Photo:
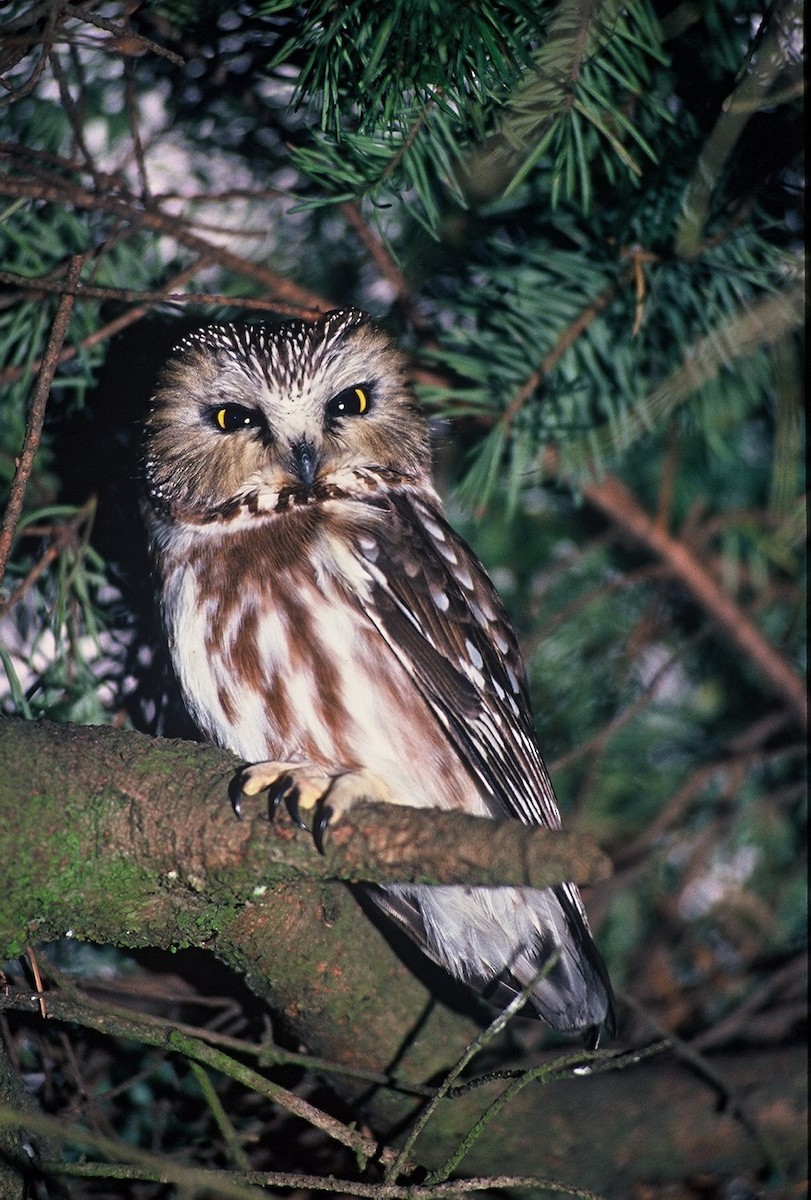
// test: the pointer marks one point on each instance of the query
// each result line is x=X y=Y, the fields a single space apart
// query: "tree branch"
x=114 y=790
x=744 y=102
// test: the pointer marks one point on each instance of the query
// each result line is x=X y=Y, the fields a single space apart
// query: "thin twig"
x=567 y=338
x=679 y=802
x=220 y=1116
x=131 y=104
x=111 y=328
x=36 y=412
x=63 y=536
x=618 y=503
x=707 y=1072
x=126 y=206
x=400 y=1163
x=71 y=1004
x=146 y=302
x=136 y=1164
x=132 y=296
x=383 y=260
x=125 y=34
x=45 y=41
x=596 y=743
x=196 y=1050
x=736 y=1023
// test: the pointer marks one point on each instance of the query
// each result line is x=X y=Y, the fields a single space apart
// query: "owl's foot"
x=308 y=791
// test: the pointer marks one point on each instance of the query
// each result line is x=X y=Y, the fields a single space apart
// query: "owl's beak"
x=305 y=461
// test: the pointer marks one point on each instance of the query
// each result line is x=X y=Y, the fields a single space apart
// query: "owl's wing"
x=432 y=602
x=437 y=610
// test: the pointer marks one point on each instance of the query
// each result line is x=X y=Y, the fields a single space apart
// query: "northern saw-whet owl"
x=327 y=624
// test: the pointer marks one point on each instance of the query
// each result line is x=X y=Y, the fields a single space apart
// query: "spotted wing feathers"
x=441 y=616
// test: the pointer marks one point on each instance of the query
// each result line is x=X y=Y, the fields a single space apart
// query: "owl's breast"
x=277 y=659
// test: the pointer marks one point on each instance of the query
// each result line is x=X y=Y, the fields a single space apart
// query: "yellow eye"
x=351 y=402
x=230 y=417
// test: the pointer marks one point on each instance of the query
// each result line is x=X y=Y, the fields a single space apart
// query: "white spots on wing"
x=484 y=616
x=474 y=655
x=472 y=665
x=436 y=531
x=499 y=639
x=478 y=615
x=475 y=677
x=447 y=551
x=463 y=576
x=440 y=599
x=514 y=684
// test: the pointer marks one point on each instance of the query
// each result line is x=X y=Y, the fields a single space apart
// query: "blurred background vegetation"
x=584 y=221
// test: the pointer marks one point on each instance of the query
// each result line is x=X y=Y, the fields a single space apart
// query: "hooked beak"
x=305 y=461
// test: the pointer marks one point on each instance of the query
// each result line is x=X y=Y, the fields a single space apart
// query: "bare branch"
x=619 y=504
x=36 y=412
x=127 y=207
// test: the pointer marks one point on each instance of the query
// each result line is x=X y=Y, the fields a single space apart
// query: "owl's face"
x=246 y=415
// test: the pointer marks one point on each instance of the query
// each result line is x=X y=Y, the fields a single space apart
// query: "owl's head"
x=251 y=413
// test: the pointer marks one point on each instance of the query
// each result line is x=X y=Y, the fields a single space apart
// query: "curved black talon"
x=277 y=792
x=236 y=795
x=321 y=825
x=291 y=799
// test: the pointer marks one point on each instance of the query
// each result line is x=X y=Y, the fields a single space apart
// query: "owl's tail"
x=502 y=940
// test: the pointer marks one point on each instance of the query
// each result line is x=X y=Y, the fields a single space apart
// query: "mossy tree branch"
x=106 y=811
x=130 y=841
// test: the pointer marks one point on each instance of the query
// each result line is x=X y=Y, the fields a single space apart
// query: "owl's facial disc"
x=255 y=419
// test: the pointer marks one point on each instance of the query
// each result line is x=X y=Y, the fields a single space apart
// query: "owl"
x=327 y=625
